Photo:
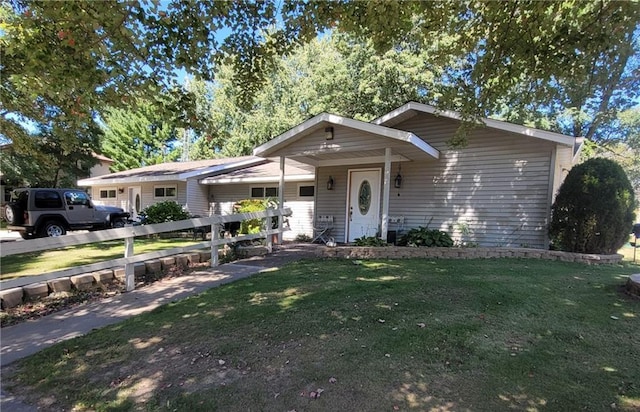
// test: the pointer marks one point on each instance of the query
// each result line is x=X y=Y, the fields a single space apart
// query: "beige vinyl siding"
x=344 y=140
x=147 y=195
x=197 y=198
x=301 y=220
x=497 y=186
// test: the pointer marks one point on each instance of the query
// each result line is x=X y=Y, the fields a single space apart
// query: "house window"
x=108 y=193
x=306 y=191
x=262 y=192
x=165 y=192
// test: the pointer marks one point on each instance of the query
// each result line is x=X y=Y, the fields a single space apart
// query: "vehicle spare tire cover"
x=13 y=214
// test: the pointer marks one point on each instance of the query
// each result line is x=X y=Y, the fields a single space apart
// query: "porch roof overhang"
x=405 y=146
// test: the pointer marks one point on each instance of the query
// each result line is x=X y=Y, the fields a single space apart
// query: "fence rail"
x=129 y=233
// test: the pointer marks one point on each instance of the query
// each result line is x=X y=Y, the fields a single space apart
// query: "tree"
x=335 y=74
x=77 y=57
x=594 y=209
x=137 y=137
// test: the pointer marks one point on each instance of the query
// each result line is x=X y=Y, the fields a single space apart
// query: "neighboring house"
x=495 y=191
x=100 y=168
x=210 y=186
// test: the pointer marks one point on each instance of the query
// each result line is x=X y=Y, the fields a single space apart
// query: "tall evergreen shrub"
x=594 y=209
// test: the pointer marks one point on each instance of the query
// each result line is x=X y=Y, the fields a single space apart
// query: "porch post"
x=386 y=189
x=281 y=199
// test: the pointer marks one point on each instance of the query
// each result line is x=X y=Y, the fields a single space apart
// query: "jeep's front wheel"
x=53 y=228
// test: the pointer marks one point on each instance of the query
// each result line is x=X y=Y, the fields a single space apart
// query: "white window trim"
x=165 y=187
x=305 y=197
x=108 y=189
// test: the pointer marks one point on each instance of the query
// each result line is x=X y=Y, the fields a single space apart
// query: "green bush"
x=251 y=226
x=423 y=236
x=369 y=241
x=594 y=209
x=302 y=238
x=161 y=212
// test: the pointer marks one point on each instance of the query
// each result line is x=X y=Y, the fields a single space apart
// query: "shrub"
x=302 y=238
x=594 y=209
x=423 y=236
x=251 y=226
x=369 y=241
x=161 y=212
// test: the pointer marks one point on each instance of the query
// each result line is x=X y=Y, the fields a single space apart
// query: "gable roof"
x=324 y=119
x=411 y=109
x=172 y=171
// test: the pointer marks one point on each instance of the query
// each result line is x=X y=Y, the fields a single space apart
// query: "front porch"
x=358 y=164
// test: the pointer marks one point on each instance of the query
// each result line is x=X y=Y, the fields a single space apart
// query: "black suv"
x=38 y=212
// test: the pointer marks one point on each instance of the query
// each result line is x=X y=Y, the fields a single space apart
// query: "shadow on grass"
x=383 y=335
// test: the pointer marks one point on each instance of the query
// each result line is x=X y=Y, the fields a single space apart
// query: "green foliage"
x=41 y=161
x=138 y=136
x=251 y=226
x=335 y=74
x=302 y=238
x=167 y=211
x=64 y=62
x=594 y=209
x=372 y=241
x=423 y=236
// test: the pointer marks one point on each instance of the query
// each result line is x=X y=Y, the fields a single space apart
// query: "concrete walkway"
x=29 y=337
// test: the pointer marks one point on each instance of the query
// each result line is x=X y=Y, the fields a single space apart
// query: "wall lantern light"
x=397 y=183
x=330 y=183
x=328 y=133
x=121 y=190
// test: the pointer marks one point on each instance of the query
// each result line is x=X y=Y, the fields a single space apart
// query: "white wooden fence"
x=129 y=233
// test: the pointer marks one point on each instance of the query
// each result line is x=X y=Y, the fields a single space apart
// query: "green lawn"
x=446 y=335
x=37 y=263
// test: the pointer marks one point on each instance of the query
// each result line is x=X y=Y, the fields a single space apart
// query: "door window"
x=364 y=197
x=137 y=202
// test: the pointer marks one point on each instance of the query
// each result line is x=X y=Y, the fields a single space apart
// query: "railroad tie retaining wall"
x=10 y=298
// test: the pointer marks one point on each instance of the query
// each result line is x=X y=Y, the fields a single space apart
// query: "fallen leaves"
x=316 y=394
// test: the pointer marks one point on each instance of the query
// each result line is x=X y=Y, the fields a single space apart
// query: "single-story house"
x=211 y=186
x=399 y=172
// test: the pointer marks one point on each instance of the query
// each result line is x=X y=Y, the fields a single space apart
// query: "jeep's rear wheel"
x=53 y=228
x=13 y=214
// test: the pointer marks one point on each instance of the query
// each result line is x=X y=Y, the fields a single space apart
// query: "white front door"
x=134 y=201
x=364 y=203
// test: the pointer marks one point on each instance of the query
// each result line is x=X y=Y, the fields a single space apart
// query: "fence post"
x=215 y=235
x=129 y=269
x=269 y=225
